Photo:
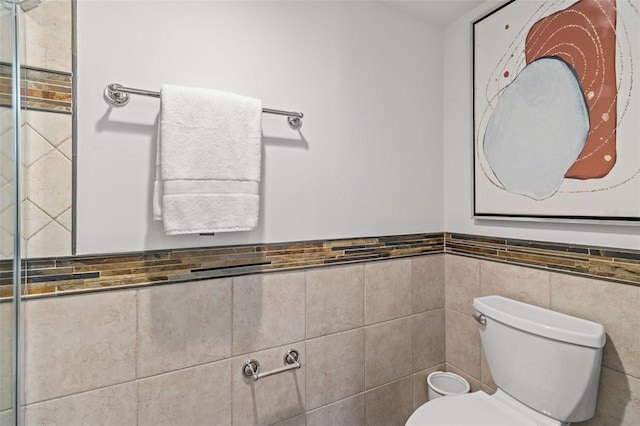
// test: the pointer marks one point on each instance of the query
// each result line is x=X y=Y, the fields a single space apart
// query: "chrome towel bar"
x=117 y=96
x=251 y=368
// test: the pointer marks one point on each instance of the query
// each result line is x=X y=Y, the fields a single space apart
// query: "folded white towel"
x=208 y=171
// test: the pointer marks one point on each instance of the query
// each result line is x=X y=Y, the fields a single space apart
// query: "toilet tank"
x=547 y=360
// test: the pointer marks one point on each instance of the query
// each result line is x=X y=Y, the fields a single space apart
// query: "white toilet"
x=546 y=365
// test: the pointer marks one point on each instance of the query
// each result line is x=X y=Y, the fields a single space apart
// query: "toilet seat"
x=477 y=409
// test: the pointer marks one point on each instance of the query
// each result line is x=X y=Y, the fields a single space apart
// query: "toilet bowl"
x=478 y=409
x=546 y=366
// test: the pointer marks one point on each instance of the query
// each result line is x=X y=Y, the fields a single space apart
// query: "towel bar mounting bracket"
x=115 y=97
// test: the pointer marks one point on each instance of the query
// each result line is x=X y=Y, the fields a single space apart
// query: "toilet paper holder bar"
x=251 y=367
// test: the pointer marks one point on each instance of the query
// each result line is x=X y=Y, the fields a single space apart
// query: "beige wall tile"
x=48 y=183
x=52 y=240
x=348 y=412
x=33 y=218
x=527 y=285
x=271 y=399
x=294 y=421
x=47 y=29
x=113 y=405
x=183 y=325
x=334 y=299
x=388 y=351
x=6 y=418
x=387 y=290
x=615 y=306
x=428 y=282
x=34 y=145
x=335 y=367
x=268 y=311
x=6 y=354
x=420 y=387
x=391 y=404
x=474 y=383
x=78 y=343
x=54 y=127
x=193 y=396
x=462 y=283
x=462 y=342
x=618 y=401
x=428 y=339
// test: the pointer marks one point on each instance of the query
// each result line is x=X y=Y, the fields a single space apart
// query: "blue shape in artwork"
x=538 y=128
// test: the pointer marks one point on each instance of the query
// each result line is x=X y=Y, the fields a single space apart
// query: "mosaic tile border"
x=66 y=275
x=619 y=265
x=43 y=90
x=85 y=273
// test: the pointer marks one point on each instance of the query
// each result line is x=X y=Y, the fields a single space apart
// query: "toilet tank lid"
x=540 y=321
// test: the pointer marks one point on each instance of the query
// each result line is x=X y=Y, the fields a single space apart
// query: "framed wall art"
x=556 y=111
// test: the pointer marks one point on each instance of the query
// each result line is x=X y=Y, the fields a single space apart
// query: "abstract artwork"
x=556 y=110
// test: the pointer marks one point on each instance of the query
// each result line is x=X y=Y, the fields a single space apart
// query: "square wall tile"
x=48 y=35
x=6 y=355
x=55 y=128
x=474 y=383
x=183 y=325
x=300 y=420
x=193 y=396
x=462 y=283
x=388 y=351
x=48 y=183
x=391 y=404
x=6 y=418
x=335 y=367
x=618 y=401
x=268 y=311
x=615 y=306
x=387 y=290
x=348 y=412
x=334 y=299
x=428 y=339
x=463 y=342
x=113 y=405
x=78 y=343
x=520 y=283
x=427 y=274
x=271 y=399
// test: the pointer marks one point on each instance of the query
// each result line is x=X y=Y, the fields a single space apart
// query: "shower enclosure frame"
x=16 y=119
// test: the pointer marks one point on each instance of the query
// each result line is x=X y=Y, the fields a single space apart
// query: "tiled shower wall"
x=46 y=135
x=368 y=335
x=613 y=305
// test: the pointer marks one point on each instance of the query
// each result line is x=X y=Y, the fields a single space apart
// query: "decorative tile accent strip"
x=84 y=273
x=65 y=275
x=618 y=265
x=44 y=90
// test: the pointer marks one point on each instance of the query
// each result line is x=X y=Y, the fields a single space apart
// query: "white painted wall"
x=368 y=160
x=458 y=157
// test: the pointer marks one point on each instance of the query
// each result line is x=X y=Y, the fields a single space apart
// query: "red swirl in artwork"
x=584 y=36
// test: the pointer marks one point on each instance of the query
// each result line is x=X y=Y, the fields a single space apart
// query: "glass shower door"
x=9 y=212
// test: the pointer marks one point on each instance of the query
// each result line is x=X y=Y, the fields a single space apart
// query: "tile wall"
x=613 y=305
x=46 y=131
x=368 y=334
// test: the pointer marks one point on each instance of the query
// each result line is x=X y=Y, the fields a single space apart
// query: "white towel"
x=208 y=168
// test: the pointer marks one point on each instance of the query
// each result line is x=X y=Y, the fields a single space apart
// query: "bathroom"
x=366 y=258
